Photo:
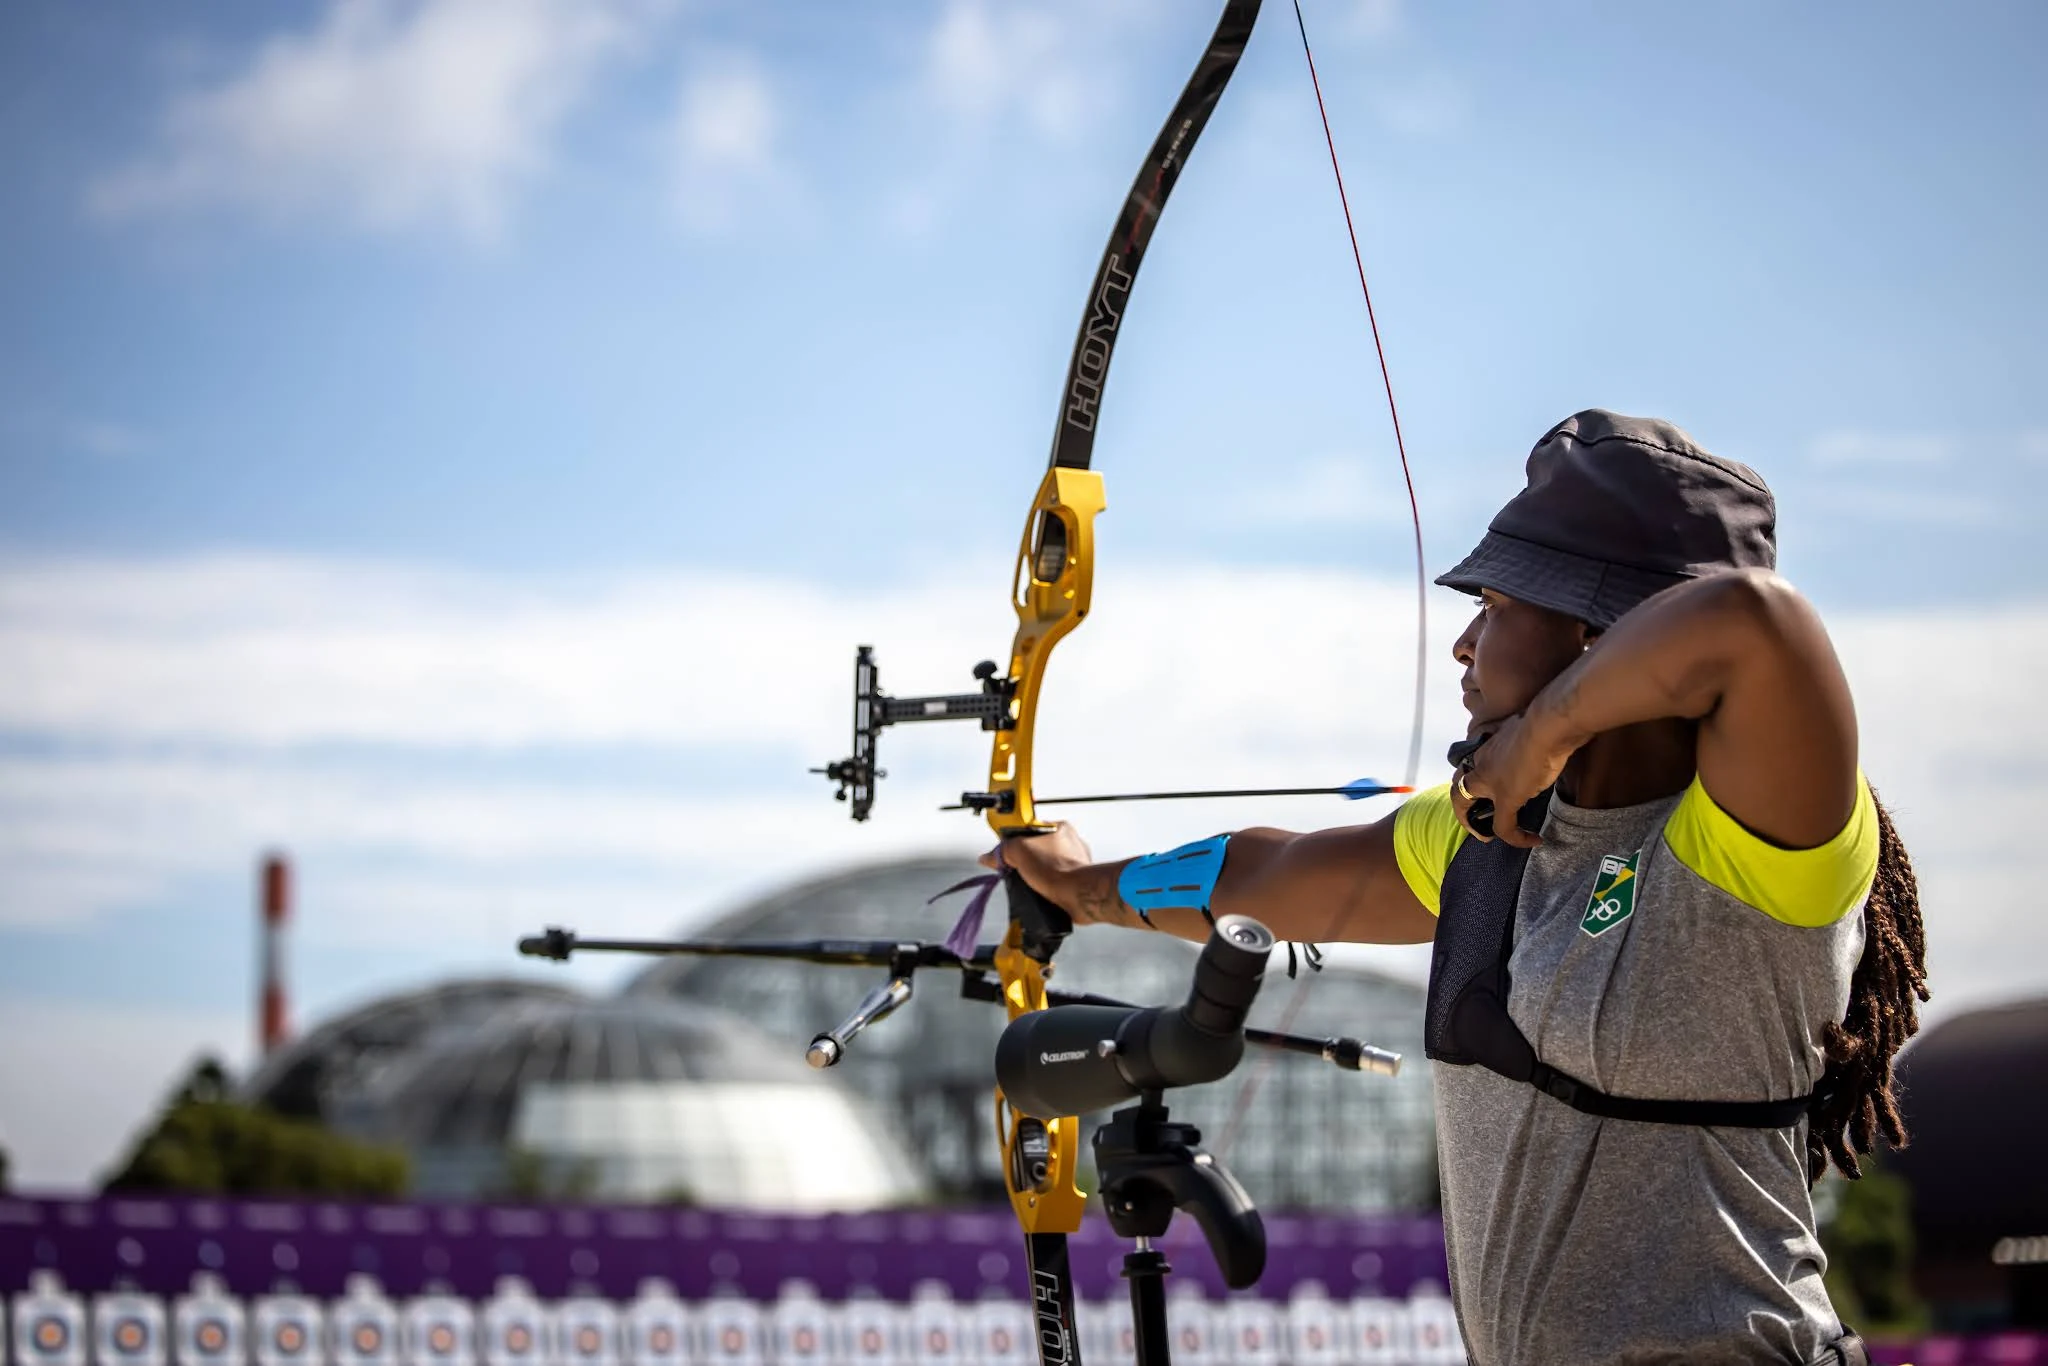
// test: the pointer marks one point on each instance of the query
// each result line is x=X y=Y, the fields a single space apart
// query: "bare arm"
x=1743 y=654
x=1328 y=886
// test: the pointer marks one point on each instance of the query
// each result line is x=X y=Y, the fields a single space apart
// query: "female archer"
x=1670 y=973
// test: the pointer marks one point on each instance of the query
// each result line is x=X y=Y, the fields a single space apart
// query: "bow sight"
x=873 y=709
x=1051 y=589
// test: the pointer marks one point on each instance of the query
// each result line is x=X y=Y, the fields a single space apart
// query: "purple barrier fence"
x=258 y=1247
x=263 y=1247
x=1995 y=1349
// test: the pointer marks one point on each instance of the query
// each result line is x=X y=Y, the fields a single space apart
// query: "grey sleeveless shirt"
x=1575 y=1240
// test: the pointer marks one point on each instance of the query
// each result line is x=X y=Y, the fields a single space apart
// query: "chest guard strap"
x=1466 y=1020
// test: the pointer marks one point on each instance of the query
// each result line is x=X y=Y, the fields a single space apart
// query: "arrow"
x=1356 y=790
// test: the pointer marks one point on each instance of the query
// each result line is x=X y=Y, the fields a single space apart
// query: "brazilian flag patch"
x=1614 y=894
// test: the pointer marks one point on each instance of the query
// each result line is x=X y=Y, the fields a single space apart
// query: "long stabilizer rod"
x=901 y=957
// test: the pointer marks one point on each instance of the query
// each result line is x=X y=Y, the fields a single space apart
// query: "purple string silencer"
x=965 y=936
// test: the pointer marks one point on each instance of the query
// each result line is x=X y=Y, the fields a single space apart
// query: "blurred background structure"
x=1314 y=1138
x=690 y=1080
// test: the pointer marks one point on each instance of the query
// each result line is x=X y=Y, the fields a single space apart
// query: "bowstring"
x=1299 y=996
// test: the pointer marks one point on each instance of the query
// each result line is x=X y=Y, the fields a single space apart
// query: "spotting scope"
x=1076 y=1060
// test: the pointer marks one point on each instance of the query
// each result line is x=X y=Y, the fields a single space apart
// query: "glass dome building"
x=326 y=1073
x=637 y=1099
x=1306 y=1135
x=524 y=1090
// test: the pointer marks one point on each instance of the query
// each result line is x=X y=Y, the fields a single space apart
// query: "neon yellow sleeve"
x=1807 y=887
x=1426 y=834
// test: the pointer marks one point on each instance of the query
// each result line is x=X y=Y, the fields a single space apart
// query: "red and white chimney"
x=276 y=896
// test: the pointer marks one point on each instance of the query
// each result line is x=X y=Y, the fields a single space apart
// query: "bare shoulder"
x=1779 y=751
x=1342 y=885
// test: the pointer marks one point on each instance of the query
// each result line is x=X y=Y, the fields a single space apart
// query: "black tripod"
x=1149 y=1167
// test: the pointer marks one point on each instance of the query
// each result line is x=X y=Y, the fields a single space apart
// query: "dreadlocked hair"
x=1854 y=1103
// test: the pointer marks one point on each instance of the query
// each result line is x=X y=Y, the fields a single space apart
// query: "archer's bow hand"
x=1047 y=863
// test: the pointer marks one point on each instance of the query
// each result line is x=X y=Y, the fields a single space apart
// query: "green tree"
x=206 y=1141
x=1869 y=1241
x=535 y=1178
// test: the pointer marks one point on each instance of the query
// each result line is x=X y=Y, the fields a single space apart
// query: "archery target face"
x=49 y=1334
x=128 y=1330
x=210 y=1336
x=584 y=1334
x=1007 y=1333
x=49 y=1330
x=1379 y=1330
x=517 y=1336
x=661 y=1340
x=1436 y=1330
x=440 y=1331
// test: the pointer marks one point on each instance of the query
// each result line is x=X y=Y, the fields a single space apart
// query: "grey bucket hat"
x=1616 y=509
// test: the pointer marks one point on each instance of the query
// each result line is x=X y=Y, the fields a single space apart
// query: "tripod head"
x=1149 y=1166
x=1075 y=1060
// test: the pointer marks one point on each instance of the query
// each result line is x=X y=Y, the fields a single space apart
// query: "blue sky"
x=461 y=442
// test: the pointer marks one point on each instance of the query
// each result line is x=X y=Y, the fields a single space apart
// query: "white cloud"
x=263 y=652
x=386 y=115
x=727 y=133
x=205 y=709
x=1057 y=71
x=1963 y=772
x=1333 y=491
x=1372 y=20
x=1917 y=506
x=1898 y=449
x=983 y=61
x=403 y=733
x=106 y=440
x=1425 y=104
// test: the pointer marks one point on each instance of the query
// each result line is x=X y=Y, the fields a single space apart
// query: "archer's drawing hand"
x=1516 y=762
x=1043 y=861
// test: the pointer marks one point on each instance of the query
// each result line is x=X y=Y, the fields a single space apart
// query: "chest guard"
x=1466 y=1021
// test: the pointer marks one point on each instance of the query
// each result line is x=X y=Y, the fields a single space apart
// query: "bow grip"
x=1045 y=926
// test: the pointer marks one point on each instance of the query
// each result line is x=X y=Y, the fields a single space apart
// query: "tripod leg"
x=1146 y=1269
